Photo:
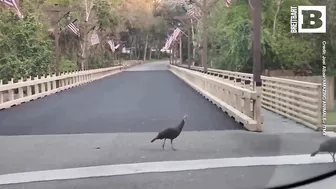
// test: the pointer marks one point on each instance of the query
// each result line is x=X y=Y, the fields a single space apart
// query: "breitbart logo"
x=308 y=19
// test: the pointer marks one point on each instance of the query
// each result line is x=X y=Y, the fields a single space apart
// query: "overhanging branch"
x=203 y=9
x=250 y=4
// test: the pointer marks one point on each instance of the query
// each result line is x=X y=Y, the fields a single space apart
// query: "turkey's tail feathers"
x=153 y=139
x=314 y=153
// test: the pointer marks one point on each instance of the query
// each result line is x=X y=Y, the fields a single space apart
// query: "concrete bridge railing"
x=296 y=100
x=24 y=90
x=239 y=102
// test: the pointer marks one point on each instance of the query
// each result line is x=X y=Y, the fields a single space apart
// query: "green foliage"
x=24 y=48
x=67 y=65
x=230 y=33
x=231 y=37
x=27 y=45
x=106 y=19
x=100 y=59
x=59 y=2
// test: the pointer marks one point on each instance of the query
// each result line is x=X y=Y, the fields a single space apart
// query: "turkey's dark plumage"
x=327 y=146
x=171 y=133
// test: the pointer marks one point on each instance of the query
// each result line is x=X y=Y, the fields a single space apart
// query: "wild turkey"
x=327 y=146
x=171 y=133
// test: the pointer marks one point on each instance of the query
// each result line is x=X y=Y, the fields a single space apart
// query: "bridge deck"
x=138 y=103
x=147 y=98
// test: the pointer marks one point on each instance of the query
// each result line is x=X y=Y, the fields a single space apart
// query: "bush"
x=25 y=49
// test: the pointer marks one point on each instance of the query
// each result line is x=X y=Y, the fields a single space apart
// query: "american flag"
x=228 y=3
x=72 y=27
x=13 y=4
x=168 y=42
x=166 y=45
x=164 y=48
x=94 y=39
x=169 y=39
x=190 y=12
x=111 y=43
x=112 y=46
x=176 y=33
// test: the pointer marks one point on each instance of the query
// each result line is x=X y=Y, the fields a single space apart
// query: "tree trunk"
x=157 y=52
x=138 y=47
x=134 y=52
x=79 y=59
x=188 y=46
x=275 y=16
x=131 y=48
x=82 y=55
x=204 y=39
x=150 y=52
x=146 y=45
x=193 y=46
x=181 y=58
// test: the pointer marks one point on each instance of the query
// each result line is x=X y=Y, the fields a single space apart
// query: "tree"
x=135 y=27
x=230 y=33
x=25 y=49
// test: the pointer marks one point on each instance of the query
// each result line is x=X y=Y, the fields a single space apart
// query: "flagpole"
x=86 y=43
x=170 y=57
x=85 y=26
x=256 y=47
x=181 y=59
x=205 y=38
x=172 y=52
x=183 y=33
x=85 y=63
x=256 y=21
x=176 y=53
x=189 y=61
x=54 y=12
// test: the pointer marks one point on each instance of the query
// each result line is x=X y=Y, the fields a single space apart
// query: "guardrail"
x=239 y=102
x=296 y=100
x=28 y=89
x=330 y=86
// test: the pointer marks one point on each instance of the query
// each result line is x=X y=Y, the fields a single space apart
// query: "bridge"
x=99 y=123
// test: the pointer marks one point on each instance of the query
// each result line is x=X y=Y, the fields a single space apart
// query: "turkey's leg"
x=172 y=146
x=164 y=141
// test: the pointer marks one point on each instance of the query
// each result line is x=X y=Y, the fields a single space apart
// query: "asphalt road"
x=147 y=98
x=228 y=178
x=45 y=152
x=122 y=113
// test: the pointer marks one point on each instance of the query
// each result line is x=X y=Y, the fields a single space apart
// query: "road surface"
x=132 y=101
x=60 y=136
